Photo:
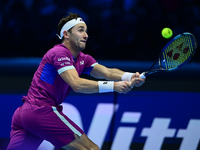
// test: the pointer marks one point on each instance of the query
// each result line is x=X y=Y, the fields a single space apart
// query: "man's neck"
x=73 y=51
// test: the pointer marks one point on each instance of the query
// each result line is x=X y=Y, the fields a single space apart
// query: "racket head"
x=177 y=52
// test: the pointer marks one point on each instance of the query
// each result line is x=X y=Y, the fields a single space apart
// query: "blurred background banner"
x=163 y=114
x=142 y=120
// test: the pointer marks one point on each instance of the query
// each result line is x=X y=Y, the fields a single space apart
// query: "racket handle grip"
x=142 y=75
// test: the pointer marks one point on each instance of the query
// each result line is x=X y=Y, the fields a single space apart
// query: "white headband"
x=68 y=25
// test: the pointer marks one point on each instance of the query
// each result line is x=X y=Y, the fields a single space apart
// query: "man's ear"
x=66 y=34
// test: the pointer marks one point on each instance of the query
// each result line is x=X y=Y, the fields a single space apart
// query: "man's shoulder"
x=58 y=49
x=84 y=56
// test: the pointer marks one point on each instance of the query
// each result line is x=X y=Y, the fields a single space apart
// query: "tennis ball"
x=167 y=33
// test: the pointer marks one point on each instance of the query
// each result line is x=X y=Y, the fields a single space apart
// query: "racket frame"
x=161 y=69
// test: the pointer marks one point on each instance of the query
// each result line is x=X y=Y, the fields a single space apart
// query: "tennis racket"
x=175 y=54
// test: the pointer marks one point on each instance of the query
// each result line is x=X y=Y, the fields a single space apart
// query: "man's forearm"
x=114 y=74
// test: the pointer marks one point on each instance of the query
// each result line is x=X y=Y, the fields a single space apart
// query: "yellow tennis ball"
x=167 y=33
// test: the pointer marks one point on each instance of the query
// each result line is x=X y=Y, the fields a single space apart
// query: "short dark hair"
x=66 y=19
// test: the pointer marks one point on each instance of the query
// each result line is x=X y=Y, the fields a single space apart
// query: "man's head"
x=73 y=32
x=65 y=23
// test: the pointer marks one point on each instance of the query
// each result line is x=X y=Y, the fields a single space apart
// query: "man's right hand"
x=122 y=87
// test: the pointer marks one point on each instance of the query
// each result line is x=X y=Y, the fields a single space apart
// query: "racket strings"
x=177 y=52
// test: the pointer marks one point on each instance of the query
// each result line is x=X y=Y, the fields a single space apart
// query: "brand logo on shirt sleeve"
x=63 y=58
x=65 y=63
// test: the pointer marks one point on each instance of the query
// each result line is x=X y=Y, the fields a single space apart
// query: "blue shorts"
x=31 y=124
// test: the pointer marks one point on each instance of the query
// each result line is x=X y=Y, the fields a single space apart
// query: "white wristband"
x=127 y=76
x=106 y=86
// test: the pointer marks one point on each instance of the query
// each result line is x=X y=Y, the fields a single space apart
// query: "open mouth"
x=83 y=41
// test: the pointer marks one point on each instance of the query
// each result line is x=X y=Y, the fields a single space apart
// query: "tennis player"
x=41 y=117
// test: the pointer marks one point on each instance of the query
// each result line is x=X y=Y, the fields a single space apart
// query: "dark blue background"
x=118 y=29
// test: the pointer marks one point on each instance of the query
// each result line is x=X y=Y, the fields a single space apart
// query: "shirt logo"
x=81 y=62
x=63 y=58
